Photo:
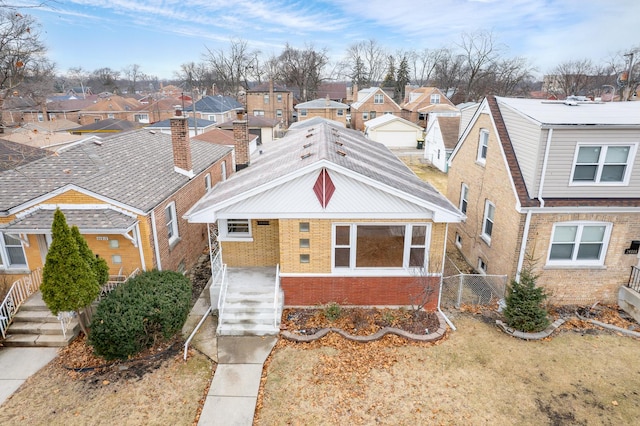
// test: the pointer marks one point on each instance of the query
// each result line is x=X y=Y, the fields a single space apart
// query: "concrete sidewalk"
x=17 y=364
x=233 y=394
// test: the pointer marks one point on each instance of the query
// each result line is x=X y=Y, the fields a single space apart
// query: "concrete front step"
x=34 y=316
x=49 y=328
x=247 y=330
x=35 y=340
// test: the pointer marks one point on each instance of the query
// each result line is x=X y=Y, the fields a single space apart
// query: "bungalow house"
x=440 y=140
x=231 y=138
x=105 y=127
x=127 y=194
x=271 y=102
x=334 y=217
x=371 y=103
x=424 y=102
x=323 y=108
x=555 y=181
x=109 y=107
x=393 y=131
x=216 y=108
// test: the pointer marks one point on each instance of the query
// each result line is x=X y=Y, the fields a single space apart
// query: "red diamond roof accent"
x=324 y=188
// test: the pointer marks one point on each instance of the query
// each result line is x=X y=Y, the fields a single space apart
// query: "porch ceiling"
x=89 y=221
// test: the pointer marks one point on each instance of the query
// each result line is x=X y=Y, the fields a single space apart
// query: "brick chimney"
x=241 y=140
x=181 y=147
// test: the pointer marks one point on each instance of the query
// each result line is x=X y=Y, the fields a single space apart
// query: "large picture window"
x=603 y=164
x=579 y=243
x=369 y=246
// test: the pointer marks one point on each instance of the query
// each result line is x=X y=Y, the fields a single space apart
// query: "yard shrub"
x=525 y=310
x=332 y=311
x=153 y=305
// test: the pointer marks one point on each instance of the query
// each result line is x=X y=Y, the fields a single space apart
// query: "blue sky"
x=159 y=35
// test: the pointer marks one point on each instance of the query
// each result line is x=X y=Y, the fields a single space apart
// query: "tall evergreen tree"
x=390 y=78
x=98 y=265
x=402 y=79
x=68 y=283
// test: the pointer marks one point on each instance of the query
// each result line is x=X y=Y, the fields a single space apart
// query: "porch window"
x=238 y=227
x=579 y=243
x=371 y=246
x=171 y=220
x=11 y=253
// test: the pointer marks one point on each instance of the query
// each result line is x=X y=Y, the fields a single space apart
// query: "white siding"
x=560 y=163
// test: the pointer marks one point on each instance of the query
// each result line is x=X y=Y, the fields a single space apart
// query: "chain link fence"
x=459 y=287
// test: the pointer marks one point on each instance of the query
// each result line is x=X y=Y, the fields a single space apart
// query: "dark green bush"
x=154 y=305
x=525 y=310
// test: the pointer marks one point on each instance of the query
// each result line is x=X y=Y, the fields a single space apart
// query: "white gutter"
x=544 y=167
x=155 y=240
x=523 y=244
x=444 y=258
x=144 y=266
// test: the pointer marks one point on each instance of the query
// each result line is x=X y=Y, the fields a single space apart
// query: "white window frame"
x=488 y=207
x=171 y=222
x=483 y=146
x=365 y=115
x=303 y=113
x=279 y=113
x=435 y=98
x=258 y=113
x=340 y=112
x=353 y=236
x=138 y=118
x=458 y=240
x=633 y=147
x=265 y=99
x=574 y=261
x=464 y=198
x=5 y=263
x=378 y=98
x=279 y=97
x=226 y=235
x=482 y=266
x=207 y=182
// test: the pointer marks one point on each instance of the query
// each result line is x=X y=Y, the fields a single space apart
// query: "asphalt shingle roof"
x=88 y=221
x=134 y=168
x=217 y=104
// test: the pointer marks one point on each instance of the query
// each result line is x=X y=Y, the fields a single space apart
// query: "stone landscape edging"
x=531 y=336
x=431 y=337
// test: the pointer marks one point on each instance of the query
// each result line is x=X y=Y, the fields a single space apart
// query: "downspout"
x=523 y=244
x=144 y=266
x=155 y=240
x=444 y=258
x=544 y=167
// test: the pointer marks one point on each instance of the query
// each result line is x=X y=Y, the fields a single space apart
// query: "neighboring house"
x=266 y=129
x=31 y=134
x=323 y=108
x=152 y=110
x=440 y=140
x=231 y=138
x=112 y=107
x=424 y=102
x=127 y=194
x=271 y=102
x=216 y=108
x=342 y=216
x=198 y=125
x=467 y=111
x=14 y=154
x=336 y=91
x=559 y=182
x=393 y=131
x=371 y=103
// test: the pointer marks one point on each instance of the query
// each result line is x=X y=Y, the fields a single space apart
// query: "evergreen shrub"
x=525 y=310
x=151 y=306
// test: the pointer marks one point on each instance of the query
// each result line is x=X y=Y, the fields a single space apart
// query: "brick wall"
x=180 y=143
x=241 y=141
x=489 y=182
x=368 y=291
x=262 y=251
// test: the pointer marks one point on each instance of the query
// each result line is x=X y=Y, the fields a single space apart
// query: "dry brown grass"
x=478 y=375
x=171 y=392
x=426 y=172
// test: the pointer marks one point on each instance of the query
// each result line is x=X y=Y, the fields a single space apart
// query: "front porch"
x=249 y=301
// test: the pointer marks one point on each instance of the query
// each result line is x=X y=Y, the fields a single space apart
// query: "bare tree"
x=232 y=68
x=480 y=51
x=423 y=65
x=365 y=62
x=78 y=76
x=38 y=84
x=302 y=69
x=506 y=77
x=133 y=73
x=105 y=79
x=448 y=72
x=571 y=77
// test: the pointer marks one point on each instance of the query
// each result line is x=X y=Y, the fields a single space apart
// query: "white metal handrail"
x=19 y=291
x=275 y=297
x=223 y=293
x=195 y=330
x=115 y=281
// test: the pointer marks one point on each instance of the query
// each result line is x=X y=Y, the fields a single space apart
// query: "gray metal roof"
x=346 y=148
x=88 y=221
x=134 y=168
x=321 y=104
x=217 y=104
x=582 y=113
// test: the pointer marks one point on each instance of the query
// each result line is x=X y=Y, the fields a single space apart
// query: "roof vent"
x=97 y=142
x=307 y=145
x=341 y=152
x=310 y=130
x=153 y=132
x=339 y=143
x=305 y=155
x=309 y=135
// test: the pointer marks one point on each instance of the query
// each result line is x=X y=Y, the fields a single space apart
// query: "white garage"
x=394 y=132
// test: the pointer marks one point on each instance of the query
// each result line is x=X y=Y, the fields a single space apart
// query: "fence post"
x=460 y=288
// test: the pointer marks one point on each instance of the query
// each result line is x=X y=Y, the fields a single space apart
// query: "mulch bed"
x=359 y=321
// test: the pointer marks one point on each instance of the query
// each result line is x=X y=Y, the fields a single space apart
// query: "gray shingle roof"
x=134 y=168
x=217 y=104
x=87 y=220
x=361 y=155
x=321 y=104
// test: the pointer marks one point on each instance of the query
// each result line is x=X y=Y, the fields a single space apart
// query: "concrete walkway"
x=233 y=394
x=17 y=364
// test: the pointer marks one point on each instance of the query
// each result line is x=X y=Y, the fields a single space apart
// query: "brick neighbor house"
x=127 y=194
x=371 y=103
x=323 y=108
x=338 y=215
x=559 y=181
x=271 y=102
